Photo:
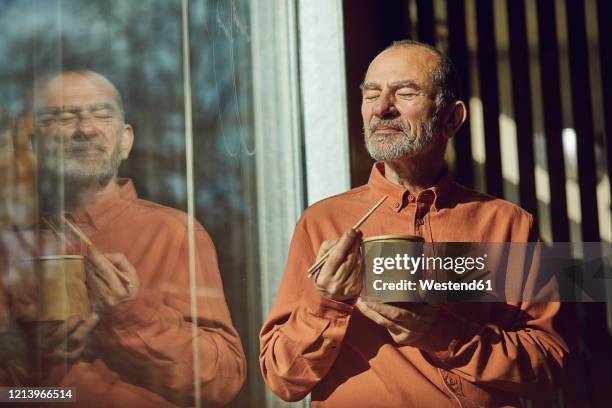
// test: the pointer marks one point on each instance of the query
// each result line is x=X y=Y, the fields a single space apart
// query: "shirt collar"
x=100 y=214
x=399 y=196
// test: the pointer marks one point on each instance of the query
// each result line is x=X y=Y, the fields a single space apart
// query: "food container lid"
x=51 y=257
x=411 y=238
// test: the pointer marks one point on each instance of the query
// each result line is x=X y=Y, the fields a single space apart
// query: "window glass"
x=174 y=280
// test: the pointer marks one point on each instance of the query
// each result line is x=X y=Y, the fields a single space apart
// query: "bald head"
x=59 y=89
x=435 y=63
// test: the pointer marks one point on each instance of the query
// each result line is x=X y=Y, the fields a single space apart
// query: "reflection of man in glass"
x=322 y=338
x=141 y=345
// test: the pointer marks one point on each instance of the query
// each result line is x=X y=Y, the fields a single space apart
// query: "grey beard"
x=80 y=171
x=408 y=145
x=89 y=171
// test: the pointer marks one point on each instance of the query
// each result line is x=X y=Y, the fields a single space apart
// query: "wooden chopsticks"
x=77 y=231
x=85 y=239
x=363 y=219
x=52 y=227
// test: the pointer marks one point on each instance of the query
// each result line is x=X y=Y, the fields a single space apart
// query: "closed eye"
x=66 y=118
x=370 y=97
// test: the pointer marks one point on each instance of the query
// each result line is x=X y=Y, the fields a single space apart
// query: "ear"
x=127 y=141
x=457 y=114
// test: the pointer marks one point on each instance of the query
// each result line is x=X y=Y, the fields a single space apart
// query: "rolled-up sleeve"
x=524 y=357
x=302 y=336
x=155 y=340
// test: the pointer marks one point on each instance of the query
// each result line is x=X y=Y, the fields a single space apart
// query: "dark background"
x=370 y=26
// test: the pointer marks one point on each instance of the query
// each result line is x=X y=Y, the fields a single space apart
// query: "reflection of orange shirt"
x=147 y=351
x=476 y=354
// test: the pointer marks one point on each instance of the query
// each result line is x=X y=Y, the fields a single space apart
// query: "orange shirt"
x=475 y=354
x=144 y=356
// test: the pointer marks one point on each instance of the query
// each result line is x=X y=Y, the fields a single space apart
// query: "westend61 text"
x=429 y=284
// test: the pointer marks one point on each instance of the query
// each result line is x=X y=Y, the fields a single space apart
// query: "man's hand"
x=111 y=279
x=68 y=340
x=339 y=278
x=406 y=324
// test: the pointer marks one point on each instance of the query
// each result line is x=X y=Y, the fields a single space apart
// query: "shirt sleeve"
x=95 y=382
x=155 y=341
x=518 y=349
x=301 y=338
x=13 y=350
x=524 y=356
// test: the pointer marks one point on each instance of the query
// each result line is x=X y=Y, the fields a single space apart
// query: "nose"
x=85 y=127
x=384 y=107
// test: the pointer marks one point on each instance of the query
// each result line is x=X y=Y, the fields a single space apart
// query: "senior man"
x=321 y=338
x=137 y=348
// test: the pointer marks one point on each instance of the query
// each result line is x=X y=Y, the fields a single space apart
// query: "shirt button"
x=411 y=198
x=419 y=222
x=396 y=205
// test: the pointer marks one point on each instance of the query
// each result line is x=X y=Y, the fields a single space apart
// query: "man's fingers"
x=123 y=268
x=366 y=309
x=392 y=312
x=111 y=278
x=97 y=258
x=404 y=326
x=104 y=267
x=71 y=354
x=379 y=307
x=114 y=269
x=341 y=250
x=103 y=292
x=325 y=247
x=96 y=284
x=116 y=258
x=415 y=313
x=337 y=277
x=64 y=329
x=69 y=340
x=85 y=327
x=349 y=268
x=121 y=262
x=398 y=332
x=354 y=255
x=100 y=266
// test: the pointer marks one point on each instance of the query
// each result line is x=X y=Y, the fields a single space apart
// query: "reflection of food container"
x=49 y=288
x=392 y=284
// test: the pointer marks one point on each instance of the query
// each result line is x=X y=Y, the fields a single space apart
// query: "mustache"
x=74 y=146
x=387 y=123
x=80 y=146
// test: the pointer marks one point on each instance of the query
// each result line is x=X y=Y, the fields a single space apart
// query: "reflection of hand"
x=339 y=277
x=111 y=279
x=406 y=324
x=25 y=298
x=68 y=340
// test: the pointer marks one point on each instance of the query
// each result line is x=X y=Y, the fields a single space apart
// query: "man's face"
x=398 y=106
x=80 y=128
